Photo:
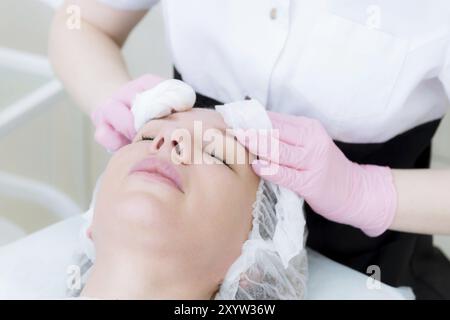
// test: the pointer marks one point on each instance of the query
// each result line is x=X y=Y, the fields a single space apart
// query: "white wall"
x=57 y=146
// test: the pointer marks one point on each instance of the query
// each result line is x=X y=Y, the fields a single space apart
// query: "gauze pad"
x=167 y=97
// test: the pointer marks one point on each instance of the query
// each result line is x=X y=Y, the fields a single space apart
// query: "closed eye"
x=212 y=154
x=147 y=138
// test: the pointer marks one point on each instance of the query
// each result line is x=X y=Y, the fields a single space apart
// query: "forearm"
x=87 y=61
x=423 y=201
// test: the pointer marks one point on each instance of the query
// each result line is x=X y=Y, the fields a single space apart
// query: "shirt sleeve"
x=130 y=4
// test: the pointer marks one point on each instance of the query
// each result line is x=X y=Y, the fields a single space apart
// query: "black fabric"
x=202 y=101
x=405 y=259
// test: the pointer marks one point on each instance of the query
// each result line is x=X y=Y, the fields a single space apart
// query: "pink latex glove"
x=113 y=120
x=310 y=164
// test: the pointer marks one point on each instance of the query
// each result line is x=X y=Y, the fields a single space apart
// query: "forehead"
x=208 y=118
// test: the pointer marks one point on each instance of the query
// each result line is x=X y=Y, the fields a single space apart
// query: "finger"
x=127 y=92
x=287 y=118
x=121 y=119
x=147 y=81
x=290 y=156
x=286 y=177
x=109 y=138
x=288 y=132
x=273 y=150
x=256 y=142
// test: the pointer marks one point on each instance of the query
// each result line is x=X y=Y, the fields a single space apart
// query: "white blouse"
x=367 y=69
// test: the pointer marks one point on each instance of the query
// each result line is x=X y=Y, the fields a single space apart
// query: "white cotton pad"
x=246 y=114
x=167 y=97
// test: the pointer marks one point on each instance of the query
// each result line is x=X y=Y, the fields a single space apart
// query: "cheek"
x=137 y=224
x=133 y=220
x=223 y=199
x=122 y=160
x=221 y=219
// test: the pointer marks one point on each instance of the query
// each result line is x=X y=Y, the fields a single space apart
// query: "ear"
x=244 y=281
x=89 y=232
x=248 y=278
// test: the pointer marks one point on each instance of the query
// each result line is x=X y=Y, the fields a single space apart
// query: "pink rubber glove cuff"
x=371 y=211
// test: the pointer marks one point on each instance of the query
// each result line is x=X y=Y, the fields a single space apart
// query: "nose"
x=171 y=146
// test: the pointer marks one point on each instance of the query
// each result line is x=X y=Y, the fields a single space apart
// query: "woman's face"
x=157 y=203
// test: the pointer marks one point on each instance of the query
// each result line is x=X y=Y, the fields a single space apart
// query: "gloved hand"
x=310 y=164
x=113 y=119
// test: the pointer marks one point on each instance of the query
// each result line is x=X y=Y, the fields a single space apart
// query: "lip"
x=157 y=169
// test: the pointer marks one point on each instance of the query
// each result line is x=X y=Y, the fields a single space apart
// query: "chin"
x=146 y=222
x=144 y=210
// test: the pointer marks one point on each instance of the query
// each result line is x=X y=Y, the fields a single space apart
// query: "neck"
x=137 y=280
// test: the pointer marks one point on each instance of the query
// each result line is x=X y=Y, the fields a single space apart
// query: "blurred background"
x=56 y=145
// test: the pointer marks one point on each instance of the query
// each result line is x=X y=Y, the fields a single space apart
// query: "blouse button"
x=273 y=13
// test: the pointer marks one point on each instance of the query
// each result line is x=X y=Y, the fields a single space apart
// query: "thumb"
x=109 y=138
x=280 y=175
